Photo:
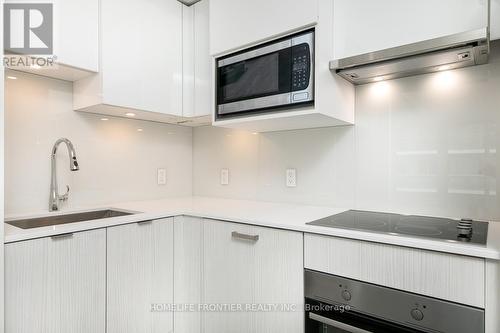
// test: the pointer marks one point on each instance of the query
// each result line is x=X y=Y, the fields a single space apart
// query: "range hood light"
x=444 y=68
x=378 y=79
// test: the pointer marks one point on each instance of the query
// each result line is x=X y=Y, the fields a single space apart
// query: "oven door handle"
x=336 y=324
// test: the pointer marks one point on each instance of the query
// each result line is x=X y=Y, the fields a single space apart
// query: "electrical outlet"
x=291 y=177
x=224 y=176
x=162 y=176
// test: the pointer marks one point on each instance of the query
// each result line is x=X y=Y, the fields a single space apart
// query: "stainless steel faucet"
x=55 y=198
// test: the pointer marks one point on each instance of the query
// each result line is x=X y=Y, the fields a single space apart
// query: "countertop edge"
x=411 y=242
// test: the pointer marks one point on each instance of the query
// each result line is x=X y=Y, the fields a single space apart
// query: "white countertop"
x=276 y=215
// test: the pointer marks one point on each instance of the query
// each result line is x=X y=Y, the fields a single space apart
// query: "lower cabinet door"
x=56 y=285
x=252 y=279
x=140 y=277
x=188 y=274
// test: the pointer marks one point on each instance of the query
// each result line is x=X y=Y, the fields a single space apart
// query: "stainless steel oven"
x=338 y=305
x=266 y=78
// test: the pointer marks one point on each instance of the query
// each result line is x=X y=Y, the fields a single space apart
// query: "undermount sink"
x=66 y=218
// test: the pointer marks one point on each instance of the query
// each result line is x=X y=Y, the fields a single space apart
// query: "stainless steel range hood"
x=455 y=51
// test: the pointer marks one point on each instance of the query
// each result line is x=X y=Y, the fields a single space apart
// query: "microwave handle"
x=336 y=324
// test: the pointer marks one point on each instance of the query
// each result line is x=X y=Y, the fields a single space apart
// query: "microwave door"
x=255 y=80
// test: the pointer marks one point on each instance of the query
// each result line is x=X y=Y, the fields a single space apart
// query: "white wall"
x=424 y=145
x=117 y=163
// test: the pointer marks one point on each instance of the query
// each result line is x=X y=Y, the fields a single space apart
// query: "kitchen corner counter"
x=275 y=215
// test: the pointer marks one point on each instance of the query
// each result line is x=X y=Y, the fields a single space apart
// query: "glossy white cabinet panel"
x=56 y=285
x=248 y=272
x=202 y=61
x=77 y=33
x=75 y=38
x=365 y=26
x=140 y=277
x=141 y=62
x=237 y=23
x=188 y=55
x=151 y=54
x=197 y=80
x=142 y=55
x=433 y=274
x=188 y=272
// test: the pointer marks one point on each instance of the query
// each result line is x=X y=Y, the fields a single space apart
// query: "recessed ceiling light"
x=444 y=68
x=378 y=78
x=104 y=119
x=139 y=130
x=255 y=133
x=12 y=77
x=130 y=114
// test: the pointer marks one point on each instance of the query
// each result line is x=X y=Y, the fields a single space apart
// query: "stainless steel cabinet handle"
x=336 y=324
x=238 y=235
x=144 y=222
x=61 y=236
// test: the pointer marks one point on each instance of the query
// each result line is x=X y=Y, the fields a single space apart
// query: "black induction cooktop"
x=409 y=225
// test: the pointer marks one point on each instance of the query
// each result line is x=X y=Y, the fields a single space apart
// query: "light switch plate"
x=162 y=176
x=291 y=177
x=224 y=176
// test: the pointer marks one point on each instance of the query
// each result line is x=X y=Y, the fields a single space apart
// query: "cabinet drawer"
x=441 y=275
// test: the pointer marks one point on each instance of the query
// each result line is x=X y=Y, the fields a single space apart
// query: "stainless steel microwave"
x=266 y=78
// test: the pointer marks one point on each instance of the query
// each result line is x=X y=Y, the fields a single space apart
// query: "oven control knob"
x=346 y=295
x=417 y=314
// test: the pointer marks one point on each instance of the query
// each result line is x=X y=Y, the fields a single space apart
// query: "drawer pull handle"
x=144 y=222
x=237 y=235
x=61 y=236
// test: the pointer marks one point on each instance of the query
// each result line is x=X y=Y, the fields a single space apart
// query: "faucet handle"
x=65 y=196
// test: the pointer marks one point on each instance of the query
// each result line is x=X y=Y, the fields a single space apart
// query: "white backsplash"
x=424 y=145
x=117 y=162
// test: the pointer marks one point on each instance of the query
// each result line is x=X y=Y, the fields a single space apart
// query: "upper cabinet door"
x=142 y=55
x=365 y=26
x=236 y=23
x=75 y=40
x=197 y=79
x=77 y=33
x=202 y=60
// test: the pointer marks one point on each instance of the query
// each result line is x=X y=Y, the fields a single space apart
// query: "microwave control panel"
x=301 y=67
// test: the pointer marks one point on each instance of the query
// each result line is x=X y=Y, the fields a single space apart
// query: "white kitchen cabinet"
x=197 y=79
x=75 y=38
x=141 y=61
x=495 y=19
x=140 y=277
x=154 y=63
x=492 y=301
x=434 y=274
x=188 y=272
x=56 y=285
x=365 y=26
x=237 y=23
x=252 y=272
